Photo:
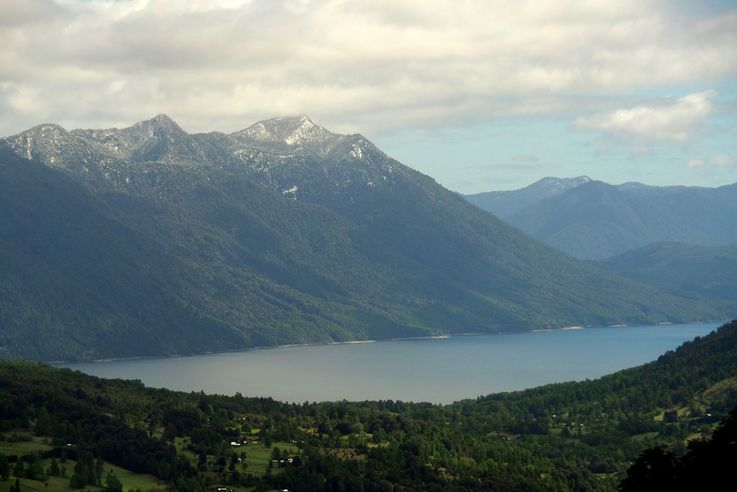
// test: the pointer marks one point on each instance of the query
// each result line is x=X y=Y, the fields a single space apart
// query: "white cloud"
x=670 y=120
x=352 y=65
x=721 y=160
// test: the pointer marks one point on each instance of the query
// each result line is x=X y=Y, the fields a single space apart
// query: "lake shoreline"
x=356 y=342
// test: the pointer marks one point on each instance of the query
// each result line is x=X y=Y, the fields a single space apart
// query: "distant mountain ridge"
x=596 y=220
x=505 y=203
x=149 y=240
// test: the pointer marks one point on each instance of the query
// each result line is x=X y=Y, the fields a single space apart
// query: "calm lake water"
x=434 y=370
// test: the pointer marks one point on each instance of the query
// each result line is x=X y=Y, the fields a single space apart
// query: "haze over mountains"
x=148 y=240
x=595 y=220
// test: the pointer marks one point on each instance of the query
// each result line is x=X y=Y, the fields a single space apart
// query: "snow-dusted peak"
x=157 y=139
x=45 y=130
x=46 y=127
x=292 y=131
x=159 y=124
x=39 y=140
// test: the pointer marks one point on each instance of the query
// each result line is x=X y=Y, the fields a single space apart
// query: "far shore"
x=351 y=342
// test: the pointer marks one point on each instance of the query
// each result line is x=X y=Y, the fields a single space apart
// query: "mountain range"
x=149 y=240
x=594 y=220
x=505 y=203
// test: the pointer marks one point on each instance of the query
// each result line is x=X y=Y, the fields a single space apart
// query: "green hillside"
x=700 y=272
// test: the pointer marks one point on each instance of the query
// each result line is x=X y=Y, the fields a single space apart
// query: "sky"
x=479 y=94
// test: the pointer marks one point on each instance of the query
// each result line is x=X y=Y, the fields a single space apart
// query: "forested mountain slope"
x=148 y=241
x=703 y=272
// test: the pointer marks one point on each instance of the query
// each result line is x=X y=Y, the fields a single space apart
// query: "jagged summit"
x=106 y=154
x=162 y=118
x=44 y=131
x=160 y=126
x=37 y=140
x=289 y=134
x=290 y=130
x=157 y=139
x=46 y=127
x=159 y=122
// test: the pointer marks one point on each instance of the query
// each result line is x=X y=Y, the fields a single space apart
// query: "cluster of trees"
x=581 y=436
x=707 y=465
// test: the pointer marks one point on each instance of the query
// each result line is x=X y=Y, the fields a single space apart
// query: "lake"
x=435 y=370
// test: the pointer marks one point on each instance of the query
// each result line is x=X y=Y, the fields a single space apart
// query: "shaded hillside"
x=505 y=203
x=569 y=436
x=702 y=272
x=707 y=465
x=107 y=274
x=148 y=241
x=597 y=220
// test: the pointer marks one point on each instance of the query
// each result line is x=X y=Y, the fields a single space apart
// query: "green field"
x=55 y=485
x=258 y=456
x=26 y=444
x=137 y=481
x=130 y=480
